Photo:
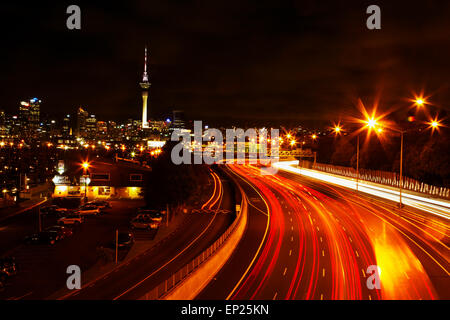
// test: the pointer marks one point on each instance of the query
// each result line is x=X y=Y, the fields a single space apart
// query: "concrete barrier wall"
x=194 y=283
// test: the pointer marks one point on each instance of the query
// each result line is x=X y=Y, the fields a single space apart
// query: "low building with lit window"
x=105 y=180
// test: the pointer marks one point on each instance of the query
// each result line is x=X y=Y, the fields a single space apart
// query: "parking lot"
x=42 y=267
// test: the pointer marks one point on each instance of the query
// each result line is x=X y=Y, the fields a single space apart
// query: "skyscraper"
x=145 y=84
x=179 y=120
x=66 y=126
x=29 y=112
x=91 y=127
x=81 y=122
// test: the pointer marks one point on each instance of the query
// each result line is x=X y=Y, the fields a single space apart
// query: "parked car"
x=62 y=231
x=54 y=210
x=44 y=237
x=144 y=210
x=88 y=210
x=7 y=269
x=101 y=204
x=144 y=222
x=71 y=219
x=151 y=214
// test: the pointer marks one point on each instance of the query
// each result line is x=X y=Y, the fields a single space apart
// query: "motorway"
x=309 y=240
x=144 y=272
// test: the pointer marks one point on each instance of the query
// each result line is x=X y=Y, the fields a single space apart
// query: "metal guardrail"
x=391 y=179
x=177 y=277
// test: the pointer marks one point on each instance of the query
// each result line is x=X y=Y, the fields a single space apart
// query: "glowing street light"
x=371 y=122
x=337 y=129
x=314 y=137
x=85 y=166
x=419 y=102
x=434 y=124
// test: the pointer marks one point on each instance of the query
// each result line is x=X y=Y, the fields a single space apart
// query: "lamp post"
x=401 y=169
x=357 y=162
x=370 y=123
x=85 y=167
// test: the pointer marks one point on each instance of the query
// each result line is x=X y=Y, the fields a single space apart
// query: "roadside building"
x=105 y=180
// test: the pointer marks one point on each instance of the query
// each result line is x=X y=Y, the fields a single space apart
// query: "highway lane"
x=421 y=237
x=319 y=241
x=144 y=272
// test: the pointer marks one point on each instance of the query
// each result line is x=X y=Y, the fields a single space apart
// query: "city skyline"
x=226 y=155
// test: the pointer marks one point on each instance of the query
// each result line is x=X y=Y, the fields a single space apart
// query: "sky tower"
x=145 y=84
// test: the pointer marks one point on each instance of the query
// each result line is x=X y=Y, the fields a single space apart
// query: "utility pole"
x=167 y=215
x=401 y=169
x=117 y=243
x=357 y=162
x=39 y=218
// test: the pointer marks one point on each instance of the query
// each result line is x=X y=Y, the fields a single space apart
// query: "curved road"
x=135 y=278
x=309 y=240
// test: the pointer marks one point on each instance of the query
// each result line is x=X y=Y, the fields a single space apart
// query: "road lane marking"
x=275 y=296
x=264 y=213
x=164 y=265
x=290 y=252
x=284 y=272
x=323 y=272
x=262 y=241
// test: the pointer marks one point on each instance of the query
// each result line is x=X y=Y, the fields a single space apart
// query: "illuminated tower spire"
x=145 y=75
x=145 y=84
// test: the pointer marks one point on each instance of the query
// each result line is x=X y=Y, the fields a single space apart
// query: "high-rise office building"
x=179 y=120
x=29 y=113
x=82 y=115
x=91 y=127
x=66 y=127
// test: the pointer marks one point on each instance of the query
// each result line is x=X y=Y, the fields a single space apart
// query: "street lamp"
x=434 y=124
x=370 y=123
x=419 y=102
x=85 y=166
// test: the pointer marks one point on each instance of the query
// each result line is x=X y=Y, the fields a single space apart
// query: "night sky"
x=217 y=60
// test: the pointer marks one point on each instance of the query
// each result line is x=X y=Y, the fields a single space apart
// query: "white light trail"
x=432 y=205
